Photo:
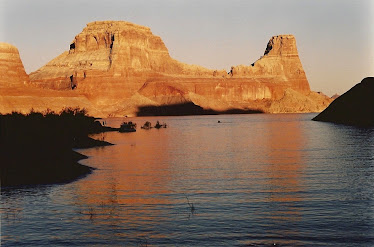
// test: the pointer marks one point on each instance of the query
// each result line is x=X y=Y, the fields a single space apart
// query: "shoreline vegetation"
x=37 y=148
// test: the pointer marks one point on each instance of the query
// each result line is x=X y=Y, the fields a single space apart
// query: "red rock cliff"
x=280 y=62
x=110 y=49
x=16 y=93
x=12 y=72
x=119 y=66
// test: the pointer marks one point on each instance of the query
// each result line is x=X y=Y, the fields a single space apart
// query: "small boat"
x=127 y=127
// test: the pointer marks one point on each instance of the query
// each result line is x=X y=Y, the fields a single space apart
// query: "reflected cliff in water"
x=285 y=170
x=286 y=163
x=140 y=173
x=254 y=180
x=131 y=179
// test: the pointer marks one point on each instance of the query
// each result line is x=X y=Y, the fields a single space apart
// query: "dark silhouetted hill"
x=355 y=107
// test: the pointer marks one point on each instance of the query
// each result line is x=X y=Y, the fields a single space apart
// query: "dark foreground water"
x=253 y=180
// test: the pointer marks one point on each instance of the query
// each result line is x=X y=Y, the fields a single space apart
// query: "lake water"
x=251 y=180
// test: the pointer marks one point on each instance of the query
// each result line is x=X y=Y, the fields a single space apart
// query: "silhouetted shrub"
x=147 y=125
x=36 y=147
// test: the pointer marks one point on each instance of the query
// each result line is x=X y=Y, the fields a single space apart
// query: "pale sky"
x=335 y=38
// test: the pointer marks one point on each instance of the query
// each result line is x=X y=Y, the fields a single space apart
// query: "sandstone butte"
x=114 y=67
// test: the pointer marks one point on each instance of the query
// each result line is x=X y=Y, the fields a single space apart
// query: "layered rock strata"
x=11 y=67
x=17 y=94
x=119 y=66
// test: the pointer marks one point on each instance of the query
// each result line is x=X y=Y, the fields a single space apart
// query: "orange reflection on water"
x=131 y=192
x=285 y=160
x=281 y=166
x=286 y=165
x=128 y=190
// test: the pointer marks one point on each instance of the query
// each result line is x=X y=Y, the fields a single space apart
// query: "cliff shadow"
x=187 y=109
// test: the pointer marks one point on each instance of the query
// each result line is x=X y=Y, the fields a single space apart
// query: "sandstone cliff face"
x=115 y=50
x=12 y=72
x=295 y=102
x=118 y=66
x=16 y=93
x=276 y=83
x=280 y=63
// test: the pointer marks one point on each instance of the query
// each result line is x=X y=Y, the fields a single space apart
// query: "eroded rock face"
x=279 y=64
x=16 y=93
x=119 y=66
x=275 y=83
x=12 y=71
x=113 y=50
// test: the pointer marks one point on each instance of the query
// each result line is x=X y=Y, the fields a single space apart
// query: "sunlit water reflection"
x=253 y=180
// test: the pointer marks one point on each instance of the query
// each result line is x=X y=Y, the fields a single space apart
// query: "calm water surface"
x=253 y=180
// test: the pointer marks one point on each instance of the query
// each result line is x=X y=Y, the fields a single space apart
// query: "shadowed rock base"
x=355 y=107
x=186 y=109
